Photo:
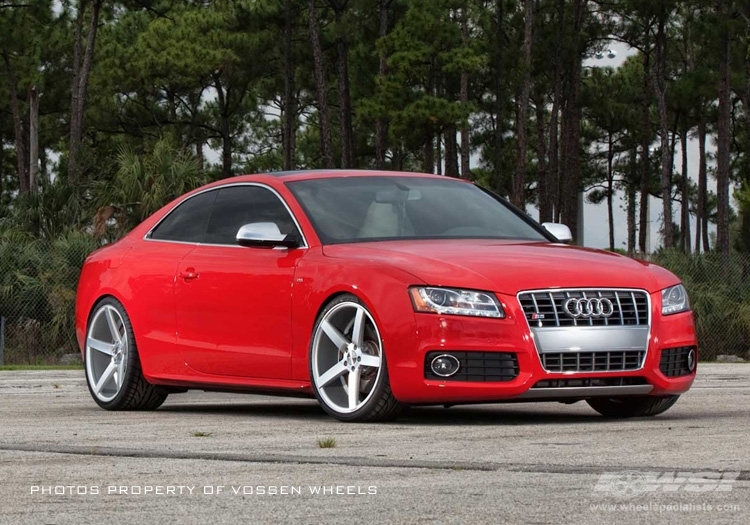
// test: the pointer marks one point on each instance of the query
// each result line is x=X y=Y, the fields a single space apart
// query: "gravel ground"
x=219 y=458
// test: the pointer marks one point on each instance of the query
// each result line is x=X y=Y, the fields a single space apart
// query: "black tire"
x=636 y=406
x=135 y=393
x=381 y=405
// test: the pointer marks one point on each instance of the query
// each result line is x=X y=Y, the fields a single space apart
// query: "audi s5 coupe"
x=372 y=291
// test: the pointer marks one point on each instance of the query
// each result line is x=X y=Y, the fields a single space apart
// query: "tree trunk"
x=2 y=163
x=610 y=192
x=224 y=128
x=398 y=158
x=723 y=136
x=660 y=87
x=451 y=152
x=542 y=167
x=74 y=145
x=701 y=214
x=549 y=210
x=745 y=225
x=571 y=174
x=429 y=154
x=323 y=114
x=381 y=123
x=33 y=138
x=518 y=194
x=439 y=156
x=18 y=128
x=345 y=103
x=631 y=198
x=289 y=126
x=645 y=143
x=464 y=99
x=43 y=172
x=82 y=69
x=497 y=174
x=200 y=157
x=685 y=221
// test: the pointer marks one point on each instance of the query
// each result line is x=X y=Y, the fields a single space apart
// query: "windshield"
x=356 y=209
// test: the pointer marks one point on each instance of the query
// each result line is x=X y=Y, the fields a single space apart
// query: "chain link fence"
x=719 y=292
x=38 y=282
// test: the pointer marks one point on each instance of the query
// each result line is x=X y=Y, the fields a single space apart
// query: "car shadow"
x=496 y=414
x=280 y=409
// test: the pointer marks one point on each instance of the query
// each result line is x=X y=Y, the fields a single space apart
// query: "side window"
x=187 y=222
x=239 y=205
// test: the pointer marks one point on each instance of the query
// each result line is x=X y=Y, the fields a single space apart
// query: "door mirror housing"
x=560 y=231
x=265 y=235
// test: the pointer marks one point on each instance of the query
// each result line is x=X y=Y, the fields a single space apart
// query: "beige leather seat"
x=381 y=220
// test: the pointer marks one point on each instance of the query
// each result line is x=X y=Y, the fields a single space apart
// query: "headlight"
x=452 y=301
x=674 y=299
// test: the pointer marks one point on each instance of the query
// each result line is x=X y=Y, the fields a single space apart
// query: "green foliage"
x=144 y=183
x=719 y=296
x=37 y=293
x=182 y=92
x=328 y=442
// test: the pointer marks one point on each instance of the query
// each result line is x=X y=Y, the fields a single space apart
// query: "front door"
x=233 y=304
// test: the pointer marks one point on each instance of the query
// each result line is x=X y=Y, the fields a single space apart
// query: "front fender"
x=382 y=288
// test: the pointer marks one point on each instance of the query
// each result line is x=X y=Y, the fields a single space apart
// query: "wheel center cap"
x=117 y=355
x=352 y=357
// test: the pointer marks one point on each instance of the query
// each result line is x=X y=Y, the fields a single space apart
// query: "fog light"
x=691 y=360
x=445 y=365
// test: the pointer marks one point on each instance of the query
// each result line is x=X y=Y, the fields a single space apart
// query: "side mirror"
x=265 y=235
x=560 y=231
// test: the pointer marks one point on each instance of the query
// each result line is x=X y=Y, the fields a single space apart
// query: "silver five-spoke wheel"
x=106 y=353
x=113 y=366
x=347 y=363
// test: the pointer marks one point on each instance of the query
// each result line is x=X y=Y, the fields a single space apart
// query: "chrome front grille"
x=593 y=361
x=574 y=333
x=546 y=309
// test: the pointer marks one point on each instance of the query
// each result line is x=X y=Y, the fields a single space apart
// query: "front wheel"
x=636 y=406
x=113 y=367
x=347 y=364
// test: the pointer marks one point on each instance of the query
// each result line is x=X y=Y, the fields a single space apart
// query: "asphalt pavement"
x=221 y=458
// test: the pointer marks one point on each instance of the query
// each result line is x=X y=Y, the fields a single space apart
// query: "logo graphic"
x=585 y=308
x=628 y=484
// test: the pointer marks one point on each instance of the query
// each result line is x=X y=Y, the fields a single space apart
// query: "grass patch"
x=328 y=442
x=10 y=368
x=202 y=434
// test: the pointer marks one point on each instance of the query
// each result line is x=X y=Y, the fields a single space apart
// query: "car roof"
x=296 y=175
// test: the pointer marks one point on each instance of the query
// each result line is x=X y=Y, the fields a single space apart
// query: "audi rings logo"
x=585 y=308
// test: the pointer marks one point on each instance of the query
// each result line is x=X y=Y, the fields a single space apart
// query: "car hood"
x=508 y=266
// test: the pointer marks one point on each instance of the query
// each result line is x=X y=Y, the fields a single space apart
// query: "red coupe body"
x=230 y=317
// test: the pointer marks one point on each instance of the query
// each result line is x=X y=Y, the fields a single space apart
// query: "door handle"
x=189 y=274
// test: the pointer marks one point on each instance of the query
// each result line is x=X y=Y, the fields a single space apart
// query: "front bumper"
x=445 y=333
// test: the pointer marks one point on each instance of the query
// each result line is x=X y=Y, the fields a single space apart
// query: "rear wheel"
x=347 y=364
x=113 y=367
x=636 y=406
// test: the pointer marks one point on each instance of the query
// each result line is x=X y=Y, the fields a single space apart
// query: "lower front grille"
x=676 y=362
x=476 y=366
x=590 y=382
x=593 y=361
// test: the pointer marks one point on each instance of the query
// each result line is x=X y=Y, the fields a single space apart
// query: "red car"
x=372 y=291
